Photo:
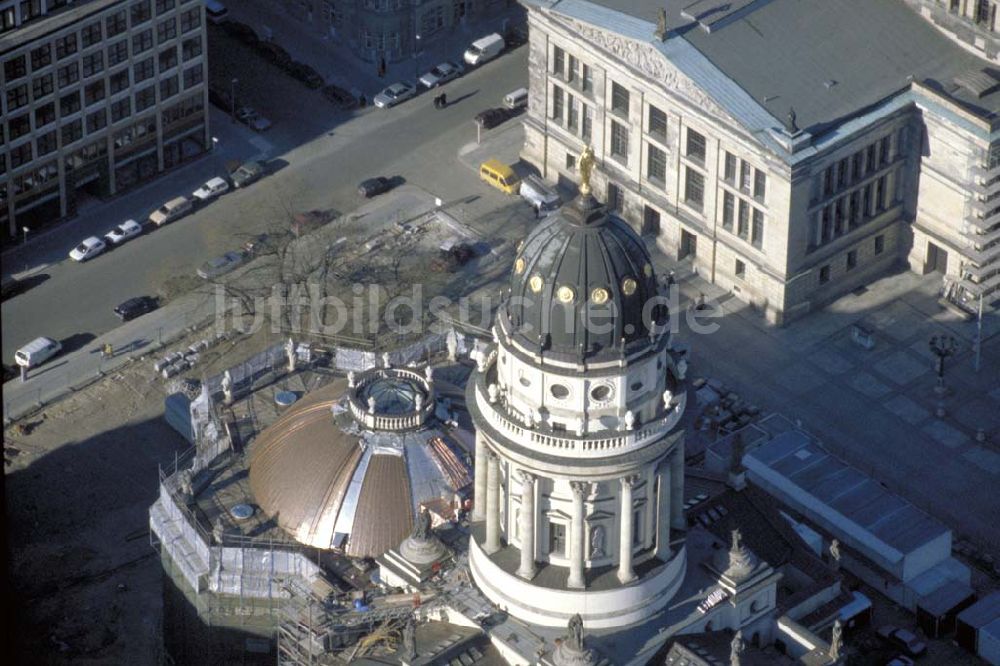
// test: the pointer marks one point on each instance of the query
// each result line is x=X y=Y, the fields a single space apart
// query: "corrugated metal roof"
x=855 y=496
x=382 y=519
x=982 y=612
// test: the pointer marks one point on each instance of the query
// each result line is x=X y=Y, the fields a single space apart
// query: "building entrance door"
x=650 y=221
x=689 y=245
x=937 y=259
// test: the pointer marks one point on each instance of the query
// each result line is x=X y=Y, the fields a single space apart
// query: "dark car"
x=490 y=118
x=275 y=54
x=246 y=174
x=242 y=32
x=136 y=307
x=373 y=186
x=903 y=639
x=306 y=75
x=339 y=96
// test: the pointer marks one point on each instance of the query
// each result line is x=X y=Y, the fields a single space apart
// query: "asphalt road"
x=415 y=141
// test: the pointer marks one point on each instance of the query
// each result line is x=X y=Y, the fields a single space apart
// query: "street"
x=415 y=141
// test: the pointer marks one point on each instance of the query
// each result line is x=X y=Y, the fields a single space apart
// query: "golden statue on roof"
x=586 y=166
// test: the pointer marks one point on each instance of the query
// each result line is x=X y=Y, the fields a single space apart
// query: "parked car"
x=904 y=639
x=215 y=11
x=170 y=211
x=339 y=96
x=373 y=186
x=211 y=189
x=88 y=249
x=37 y=352
x=275 y=54
x=900 y=660
x=123 y=232
x=542 y=197
x=246 y=173
x=257 y=245
x=306 y=74
x=213 y=268
x=516 y=99
x=249 y=117
x=490 y=118
x=136 y=307
x=500 y=176
x=242 y=32
x=484 y=49
x=441 y=74
x=394 y=94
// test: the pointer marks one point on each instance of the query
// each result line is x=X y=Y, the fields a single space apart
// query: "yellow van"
x=500 y=176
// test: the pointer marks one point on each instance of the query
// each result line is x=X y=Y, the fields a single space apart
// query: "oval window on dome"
x=519 y=265
x=535 y=283
x=601 y=393
x=559 y=392
x=629 y=285
x=647 y=270
x=524 y=381
x=599 y=296
x=636 y=386
x=565 y=294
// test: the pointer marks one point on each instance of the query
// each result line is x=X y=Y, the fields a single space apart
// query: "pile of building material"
x=177 y=362
x=723 y=411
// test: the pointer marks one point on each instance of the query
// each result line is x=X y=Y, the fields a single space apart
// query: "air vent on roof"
x=979 y=82
x=714 y=14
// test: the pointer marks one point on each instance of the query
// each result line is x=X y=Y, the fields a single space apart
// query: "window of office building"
x=20 y=155
x=870 y=158
x=842 y=167
x=164 y=6
x=41 y=57
x=619 y=141
x=166 y=30
x=30 y=9
x=694 y=188
x=858 y=164
x=115 y=24
x=94 y=92
x=141 y=12
x=656 y=164
x=838 y=217
x=824 y=274
x=879 y=244
x=557 y=539
x=616 y=198
x=191 y=48
x=570 y=162
x=866 y=201
x=741 y=269
x=46 y=143
x=168 y=58
x=880 y=193
x=759 y=184
x=743 y=220
x=588 y=122
x=729 y=168
x=66 y=46
x=571 y=66
x=168 y=87
x=728 y=210
x=745 y=173
x=193 y=76
x=93 y=63
x=68 y=74
x=69 y=104
x=557 y=104
x=587 y=79
x=828 y=181
x=657 y=123
x=695 y=146
x=558 y=61
x=117 y=52
x=619 y=98
x=41 y=86
x=45 y=114
x=190 y=19
x=757 y=229
x=143 y=70
x=572 y=115
x=72 y=131
x=90 y=34
x=852 y=259
x=883 y=151
x=142 y=41
x=20 y=126
x=97 y=120
x=854 y=209
x=15 y=68
x=145 y=98
x=121 y=109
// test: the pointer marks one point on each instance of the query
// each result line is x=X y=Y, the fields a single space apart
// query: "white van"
x=516 y=99
x=484 y=49
x=216 y=11
x=543 y=197
x=37 y=352
x=170 y=211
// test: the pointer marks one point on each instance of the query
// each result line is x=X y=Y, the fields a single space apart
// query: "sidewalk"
x=308 y=42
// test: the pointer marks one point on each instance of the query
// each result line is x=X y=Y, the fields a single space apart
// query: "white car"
x=124 y=231
x=88 y=249
x=211 y=189
x=394 y=94
x=441 y=74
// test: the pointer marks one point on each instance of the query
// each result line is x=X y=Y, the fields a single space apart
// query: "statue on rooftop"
x=737 y=544
x=409 y=639
x=575 y=638
x=836 y=640
x=736 y=648
x=790 y=125
x=661 y=24
x=586 y=166
x=422 y=526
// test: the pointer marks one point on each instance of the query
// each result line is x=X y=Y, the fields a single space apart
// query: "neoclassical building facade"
x=766 y=144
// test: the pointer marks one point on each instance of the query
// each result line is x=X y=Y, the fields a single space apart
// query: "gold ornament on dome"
x=647 y=270
x=519 y=265
x=629 y=286
x=585 y=165
x=565 y=294
x=520 y=244
x=599 y=296
x=535 y=283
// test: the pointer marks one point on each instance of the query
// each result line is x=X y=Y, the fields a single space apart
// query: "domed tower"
x=579 y=460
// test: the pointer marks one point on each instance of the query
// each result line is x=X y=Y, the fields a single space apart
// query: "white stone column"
x=663 y=517
x=625 y=536
x=527 y=526
x=576 y=537
x=677 y=488
x=479 y=487
x=492 y=504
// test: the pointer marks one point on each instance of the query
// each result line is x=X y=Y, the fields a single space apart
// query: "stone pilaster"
x=663 y=509
x=492 y=504
x=576 y=537
x=625 y=536
x=479 y=488
x=677 y=520
x=527 y=568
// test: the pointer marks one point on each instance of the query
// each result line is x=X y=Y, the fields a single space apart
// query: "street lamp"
x=416 y=62
x=25 y=230
x=232 y=95
x=942 y=346
x=215 y=143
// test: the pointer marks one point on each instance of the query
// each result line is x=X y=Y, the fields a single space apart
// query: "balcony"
x=972 y=216
x=985 y=174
